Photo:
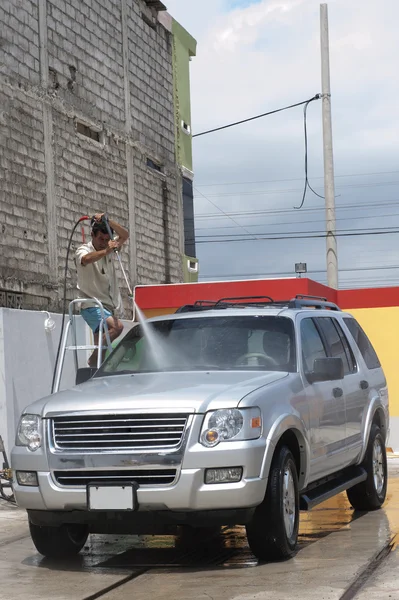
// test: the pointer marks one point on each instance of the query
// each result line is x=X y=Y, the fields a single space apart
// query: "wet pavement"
x=341 y=556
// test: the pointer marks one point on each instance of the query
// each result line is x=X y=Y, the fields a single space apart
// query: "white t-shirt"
x=97 y=280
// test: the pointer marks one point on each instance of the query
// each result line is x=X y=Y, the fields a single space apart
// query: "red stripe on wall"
x=161 y=296
x=172 y=295
x=368 y=298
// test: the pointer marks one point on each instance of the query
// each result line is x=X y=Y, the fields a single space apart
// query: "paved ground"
x=341 y=556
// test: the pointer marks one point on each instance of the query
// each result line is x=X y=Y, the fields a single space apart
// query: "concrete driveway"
x=341 y=556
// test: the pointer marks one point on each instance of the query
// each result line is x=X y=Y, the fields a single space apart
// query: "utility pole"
x=329 y=190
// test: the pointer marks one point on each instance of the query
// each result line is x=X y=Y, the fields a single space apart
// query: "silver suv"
x=241 y=411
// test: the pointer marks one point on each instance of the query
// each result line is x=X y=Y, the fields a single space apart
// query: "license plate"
x=111 y=497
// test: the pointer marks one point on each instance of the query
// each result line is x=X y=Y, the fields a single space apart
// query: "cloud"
x=256 y=58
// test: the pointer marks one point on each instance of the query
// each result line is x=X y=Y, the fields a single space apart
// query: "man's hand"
x=112 y=245
x=99 y=217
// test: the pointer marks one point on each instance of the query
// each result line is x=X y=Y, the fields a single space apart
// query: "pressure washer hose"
x=85 y=218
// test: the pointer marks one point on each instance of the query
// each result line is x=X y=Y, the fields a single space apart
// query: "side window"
x=346 y=345
x=312 y=344
x=363 y=343
x=334 y=342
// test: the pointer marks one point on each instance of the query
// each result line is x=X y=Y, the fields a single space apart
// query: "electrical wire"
x=296 y=237
x=350 y=229
x=306 y=184
x=222 y=211
x=379 y=216
x=272 y=112
x=273 y=211
x=295 y=190
x=287 y=273
x=295 y=179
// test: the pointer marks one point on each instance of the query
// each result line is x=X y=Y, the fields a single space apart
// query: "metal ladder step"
x=84 y=347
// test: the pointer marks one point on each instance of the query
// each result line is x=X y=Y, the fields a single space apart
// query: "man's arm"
x=91 y=257
x=121 y=232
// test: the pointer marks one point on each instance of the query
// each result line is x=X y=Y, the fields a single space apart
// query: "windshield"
x=264 y=343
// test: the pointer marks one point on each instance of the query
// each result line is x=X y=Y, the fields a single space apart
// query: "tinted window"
x=312 y=345
x=363 y=343
x=348 y=349
x=334 y=341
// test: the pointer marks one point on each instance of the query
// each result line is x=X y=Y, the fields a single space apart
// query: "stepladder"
x=69 y=339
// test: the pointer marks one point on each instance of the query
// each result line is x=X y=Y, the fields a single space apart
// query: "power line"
x=379 y=216
x=272 y=112
x=234 y=235
x=272 y=211
x=294 y=179
x=296 y=190
x=311 y=271
x=307 y=184
x=222 y=211
x=295 y=237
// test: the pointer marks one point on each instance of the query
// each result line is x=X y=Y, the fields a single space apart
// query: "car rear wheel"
x=59 y=542
x=273 y=531
x=370 y=494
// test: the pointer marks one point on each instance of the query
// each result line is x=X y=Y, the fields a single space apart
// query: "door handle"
x=364 y=385
x=338 y=392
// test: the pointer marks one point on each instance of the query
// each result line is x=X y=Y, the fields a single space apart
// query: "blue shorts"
x=92 y=316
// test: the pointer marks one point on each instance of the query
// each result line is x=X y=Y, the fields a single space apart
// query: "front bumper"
x=188 y=493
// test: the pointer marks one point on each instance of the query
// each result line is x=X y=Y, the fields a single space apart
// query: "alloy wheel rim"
x=378 y=466
x=289 y=505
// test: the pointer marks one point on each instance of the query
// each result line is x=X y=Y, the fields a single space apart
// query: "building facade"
x=87 y=124
x=184 y=49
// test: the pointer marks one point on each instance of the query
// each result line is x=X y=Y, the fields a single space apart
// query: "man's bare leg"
x=115 y=328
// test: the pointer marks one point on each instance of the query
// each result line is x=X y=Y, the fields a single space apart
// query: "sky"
x=259 y=55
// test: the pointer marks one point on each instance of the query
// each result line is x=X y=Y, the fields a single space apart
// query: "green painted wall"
x=184 y=46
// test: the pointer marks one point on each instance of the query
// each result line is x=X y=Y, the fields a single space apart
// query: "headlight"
x=231 y=424
x=29 y=432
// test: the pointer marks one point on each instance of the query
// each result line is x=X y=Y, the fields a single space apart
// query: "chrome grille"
x=142 y=477
x=118 y=432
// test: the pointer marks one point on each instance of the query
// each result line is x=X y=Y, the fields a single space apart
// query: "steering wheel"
x=266 y=359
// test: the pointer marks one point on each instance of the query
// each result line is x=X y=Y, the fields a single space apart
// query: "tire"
x=370 y=494
x=59 y=542
x=273 y=531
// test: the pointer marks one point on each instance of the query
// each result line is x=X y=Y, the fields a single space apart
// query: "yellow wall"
x=382 y=327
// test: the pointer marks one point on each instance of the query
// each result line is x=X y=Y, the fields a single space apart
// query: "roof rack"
x=244 y=301
x=317 y=302
x=300 y=301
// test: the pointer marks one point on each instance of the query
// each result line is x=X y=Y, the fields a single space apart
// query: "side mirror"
x=326 y=369
x=84 y=374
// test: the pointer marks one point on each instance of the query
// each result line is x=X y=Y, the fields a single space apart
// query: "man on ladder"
x=97 y=278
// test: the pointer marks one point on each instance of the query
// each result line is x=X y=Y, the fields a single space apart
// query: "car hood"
x=182 y=391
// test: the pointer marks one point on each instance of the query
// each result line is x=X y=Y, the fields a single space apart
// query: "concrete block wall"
x=69 y=69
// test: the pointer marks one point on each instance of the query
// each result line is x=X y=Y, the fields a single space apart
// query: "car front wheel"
x=273 y=531
x=58 y=542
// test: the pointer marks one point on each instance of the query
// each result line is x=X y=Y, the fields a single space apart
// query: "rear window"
x=363 y=343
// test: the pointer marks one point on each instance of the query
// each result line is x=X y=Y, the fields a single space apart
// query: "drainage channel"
x=116 y=585
x=364 y=576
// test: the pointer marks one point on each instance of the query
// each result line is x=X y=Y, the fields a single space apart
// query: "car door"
x=326 y=405
x=370 y=380
x=352 y=404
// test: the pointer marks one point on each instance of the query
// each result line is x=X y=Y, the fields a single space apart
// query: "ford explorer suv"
x=243 y=411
